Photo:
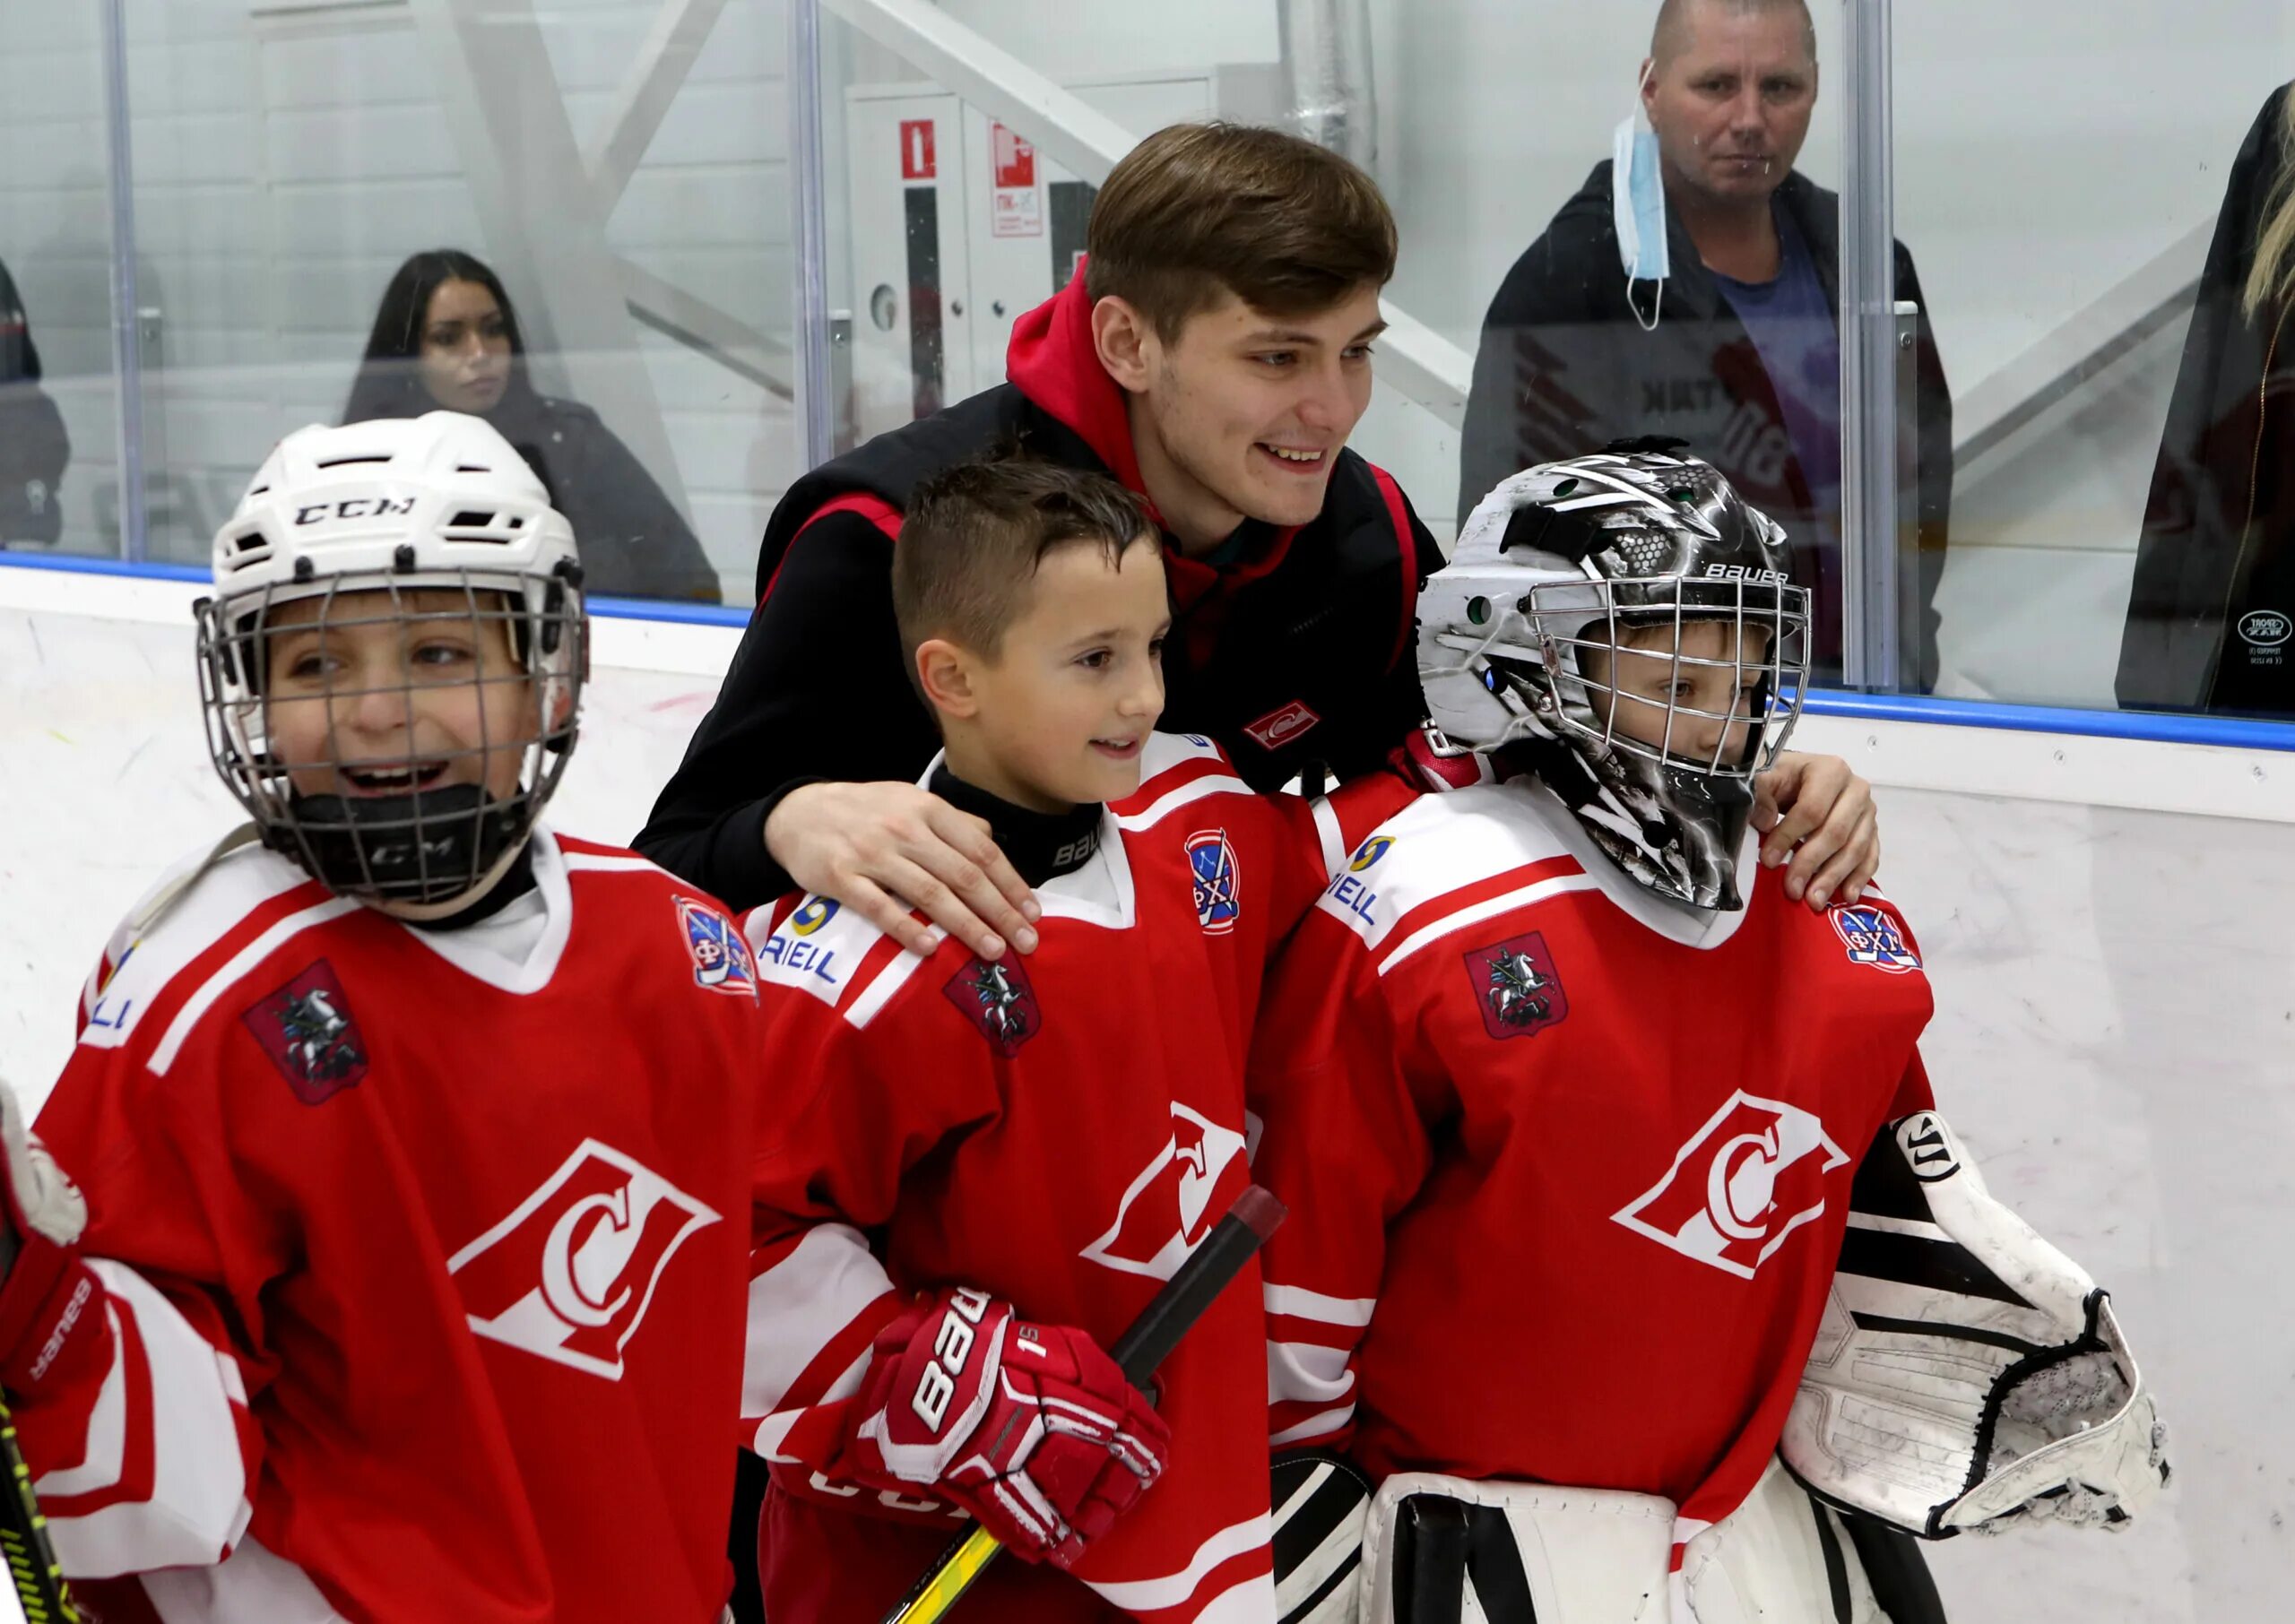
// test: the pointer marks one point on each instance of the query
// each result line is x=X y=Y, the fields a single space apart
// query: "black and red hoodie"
x=1296 y=657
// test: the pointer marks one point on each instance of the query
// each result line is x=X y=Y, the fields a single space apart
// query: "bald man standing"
x=1692 y=287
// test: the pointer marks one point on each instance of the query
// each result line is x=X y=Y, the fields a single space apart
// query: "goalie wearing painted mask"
x=1632 y=1273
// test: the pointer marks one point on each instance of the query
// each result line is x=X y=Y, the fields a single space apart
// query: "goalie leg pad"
x=1320 y=1503
x=1779 y=1558
x=1450 y=1551
x=1966 y=1371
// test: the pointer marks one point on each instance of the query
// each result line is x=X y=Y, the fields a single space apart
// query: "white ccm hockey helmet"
x=1613 y=554
x=355 y=522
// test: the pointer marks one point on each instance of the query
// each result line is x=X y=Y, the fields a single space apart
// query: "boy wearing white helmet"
x=1614 y=1175
x=408 y=1281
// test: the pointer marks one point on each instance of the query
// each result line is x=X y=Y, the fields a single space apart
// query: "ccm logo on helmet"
x=951 y=1350
x=354 y=507
x=1746 y=572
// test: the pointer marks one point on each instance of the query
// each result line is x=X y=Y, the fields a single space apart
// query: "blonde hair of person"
x=2274 y=275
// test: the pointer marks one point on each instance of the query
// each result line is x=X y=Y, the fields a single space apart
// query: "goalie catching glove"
x=1031 y=1429
x=1966 y=1373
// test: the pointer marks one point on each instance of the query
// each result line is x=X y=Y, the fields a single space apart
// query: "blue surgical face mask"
x=1638 y=208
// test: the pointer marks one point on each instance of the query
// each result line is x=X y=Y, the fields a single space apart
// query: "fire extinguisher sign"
x=1016 y=204
x=917 y=161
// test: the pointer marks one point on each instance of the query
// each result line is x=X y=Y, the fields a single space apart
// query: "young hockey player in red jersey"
x=1569 y=1104
x=414 y=1138
x=997 y=1164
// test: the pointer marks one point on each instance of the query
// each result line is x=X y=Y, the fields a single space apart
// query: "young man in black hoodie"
x=1214 y=355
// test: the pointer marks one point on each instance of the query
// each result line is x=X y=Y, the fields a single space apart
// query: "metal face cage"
x=396 y=735
x=1764 y=658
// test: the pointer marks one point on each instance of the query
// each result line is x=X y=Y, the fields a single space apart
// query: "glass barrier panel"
x=59 y=399
x=570 y=220
x=2086 y=205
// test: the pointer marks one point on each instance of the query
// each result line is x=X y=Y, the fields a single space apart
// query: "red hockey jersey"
x=1058 y=1129
x=1568 y=1165
x=422 y=1255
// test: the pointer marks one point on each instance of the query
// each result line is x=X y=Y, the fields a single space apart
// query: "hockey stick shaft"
x=32 y=1567
x=1145 y=1343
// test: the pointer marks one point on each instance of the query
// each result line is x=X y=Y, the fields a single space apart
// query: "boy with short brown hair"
x=1047 y=1136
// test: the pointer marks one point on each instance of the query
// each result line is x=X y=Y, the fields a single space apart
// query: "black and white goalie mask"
x=1624 y=626
x=392 y=663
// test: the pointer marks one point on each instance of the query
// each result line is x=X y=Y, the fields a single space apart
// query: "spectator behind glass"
x=446 y=336
x=33 y=446
x=2209 y=620
x=1737 y=350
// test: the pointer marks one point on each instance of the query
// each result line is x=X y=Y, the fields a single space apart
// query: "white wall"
x=287 y=158
x=2112 y=1033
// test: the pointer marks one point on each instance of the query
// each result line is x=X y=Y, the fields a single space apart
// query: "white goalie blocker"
x=1967 y=1375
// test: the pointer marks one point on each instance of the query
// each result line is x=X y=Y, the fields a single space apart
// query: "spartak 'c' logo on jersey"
x=571 y=1273
x=720 y=958
x=306 y=1029
x=1515 y=985
x=1872 y=937
x=1218 y=880
x=999 y=999
x=1281 y=725
x=1168 y=1207
x=1754 y=1174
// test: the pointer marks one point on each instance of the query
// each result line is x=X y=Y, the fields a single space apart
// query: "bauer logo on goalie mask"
x=568 y=1275
x=1749 y=1178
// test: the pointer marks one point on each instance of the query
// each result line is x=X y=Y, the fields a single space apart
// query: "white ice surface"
x=2115 y=1038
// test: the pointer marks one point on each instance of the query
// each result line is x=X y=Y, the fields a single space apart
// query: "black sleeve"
x=1400 y=703
x=816 y=691
x=1933 y=408
x=634 y=540
x=2197 y=507
x=34 y=447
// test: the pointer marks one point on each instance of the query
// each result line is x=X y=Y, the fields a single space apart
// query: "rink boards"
x=2104 y=920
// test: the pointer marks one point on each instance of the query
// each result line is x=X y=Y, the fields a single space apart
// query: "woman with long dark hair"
x=446 y=336
x=2211 y=621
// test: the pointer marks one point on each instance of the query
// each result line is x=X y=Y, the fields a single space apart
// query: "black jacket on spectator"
x=1564 y=368
x=1296 y=656
x=2209 y=618
x=632 y=540
x=34 y=447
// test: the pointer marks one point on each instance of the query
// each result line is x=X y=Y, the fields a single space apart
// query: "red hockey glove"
x=1032 y=1429
x=45 y=1289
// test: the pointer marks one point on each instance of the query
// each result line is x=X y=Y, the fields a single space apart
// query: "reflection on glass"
x=445 y=335
x=2210 y=622
x=1690 y=289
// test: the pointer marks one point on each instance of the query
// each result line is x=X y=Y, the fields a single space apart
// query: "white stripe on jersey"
x=1314 y=1426
x=1489 y=908
x=1330 y=835
x=200 y=914
x=255 y=1586
x=1171 y=801
x=198 y=1505
x=1301 y=1303
x=803 y=1302
x=1153 y=1595
x=246 y=958
x=766 y=1441
x=1440 y=845
x=1306 y=1373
